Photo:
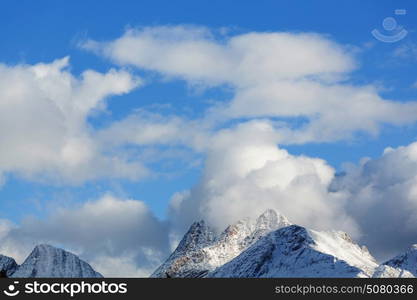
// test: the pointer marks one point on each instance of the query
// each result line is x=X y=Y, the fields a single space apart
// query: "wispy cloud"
x=406 y=51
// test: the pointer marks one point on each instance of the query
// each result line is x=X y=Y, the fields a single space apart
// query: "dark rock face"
x=7 y=266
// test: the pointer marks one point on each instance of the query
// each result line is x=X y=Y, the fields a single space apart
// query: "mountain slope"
x=406 y=261
x=294 y=251
x=201 y=250
x=7 y=265
x=188 y=259
x=384 y=271
x=48 y=261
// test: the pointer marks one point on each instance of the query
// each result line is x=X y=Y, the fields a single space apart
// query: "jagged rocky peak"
x=199 y=235
x=254 y=228
x=268 y=221
x=406 y=261
x=271 y=219
x=202 y=250
x=7 y=266
x=48 y=261
x=295 y=251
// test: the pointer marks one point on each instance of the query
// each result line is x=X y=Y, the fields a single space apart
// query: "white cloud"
x=283 y=75
x=126 y=266
x=330 y=112
x=145 y=128
x=108 y=232
x=43 y=122
x=246 y=173
x=381 y=194
x=193 y=53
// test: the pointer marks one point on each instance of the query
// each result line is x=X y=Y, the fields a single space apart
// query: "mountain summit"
x=48 y=261
x=202 y=250
x=295 y=251
x=270 y=246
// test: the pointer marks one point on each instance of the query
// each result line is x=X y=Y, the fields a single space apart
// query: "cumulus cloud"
x=109 y=232
x=382 y=195
x=43 y=122
x=246 y=173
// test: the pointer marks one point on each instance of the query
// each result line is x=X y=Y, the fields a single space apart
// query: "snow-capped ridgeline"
x=48 y=261
x=406 y=261
x=295 y=251
x=193 y=259
x=271 y=247
x=341 y=246
x=384 y=271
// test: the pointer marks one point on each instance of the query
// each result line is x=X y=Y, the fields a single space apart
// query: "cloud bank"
x=382 y=195
x=300 y=78
x=108 y=232
x=246 y=173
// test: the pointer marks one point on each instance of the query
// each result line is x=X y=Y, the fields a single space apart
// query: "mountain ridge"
x=217 y=249
x=48 y=261
x=270 y=246
x=295 y=251
x=266 y=246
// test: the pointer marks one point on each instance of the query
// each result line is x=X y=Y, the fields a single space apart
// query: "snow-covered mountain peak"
x=237 y=231
x=198 y=236
x=270 y=219
x=201 y=250
x=295 y=251
x=49 y=261
x=270 y=246
x=45 y=249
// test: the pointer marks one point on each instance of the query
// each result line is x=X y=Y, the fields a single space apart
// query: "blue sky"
x=33 y=32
